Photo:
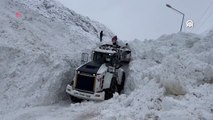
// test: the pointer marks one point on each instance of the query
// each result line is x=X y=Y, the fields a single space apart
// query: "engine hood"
x=90 y=67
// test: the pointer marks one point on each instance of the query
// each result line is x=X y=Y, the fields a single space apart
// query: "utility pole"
x=169 y=6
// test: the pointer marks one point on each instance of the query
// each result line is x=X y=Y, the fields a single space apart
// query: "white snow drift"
x=169 y=78
x=39 y=51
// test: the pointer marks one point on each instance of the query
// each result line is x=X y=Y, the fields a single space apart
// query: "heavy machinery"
x=102 y=76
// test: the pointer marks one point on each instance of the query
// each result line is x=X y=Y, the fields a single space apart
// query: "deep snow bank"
x=178 y=61
x=39 y=51
x=37 y=56
x=182 y=64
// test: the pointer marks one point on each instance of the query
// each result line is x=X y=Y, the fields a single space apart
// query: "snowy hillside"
x=170 y=78
x=39 y=51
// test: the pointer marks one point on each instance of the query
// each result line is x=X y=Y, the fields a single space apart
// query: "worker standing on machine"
x=101 y=36
x=114 y=41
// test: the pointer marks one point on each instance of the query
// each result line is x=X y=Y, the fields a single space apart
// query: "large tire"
x=121 y=86
x=113 y=88
x=75 y=99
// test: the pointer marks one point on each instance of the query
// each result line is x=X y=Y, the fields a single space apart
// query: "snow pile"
x=57 y=12
x=169 y=78
x=40 y=50
x=182 y=63
x=176 y=60
x=164 y=82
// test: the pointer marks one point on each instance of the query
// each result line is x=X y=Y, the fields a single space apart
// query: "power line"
x=203 y=17
x=204 y=22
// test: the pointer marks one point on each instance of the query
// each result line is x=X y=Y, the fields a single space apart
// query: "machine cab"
x=110 y=59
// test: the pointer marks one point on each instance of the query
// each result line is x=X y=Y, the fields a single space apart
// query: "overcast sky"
x=145 y=19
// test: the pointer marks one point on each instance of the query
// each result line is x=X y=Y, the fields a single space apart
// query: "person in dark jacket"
x=114 y=41
x=101 y=36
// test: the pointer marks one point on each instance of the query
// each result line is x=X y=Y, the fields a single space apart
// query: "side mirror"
x=84 y=58
x=91 y=56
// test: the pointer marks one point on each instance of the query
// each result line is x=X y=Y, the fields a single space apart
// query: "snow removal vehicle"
x=102 y=76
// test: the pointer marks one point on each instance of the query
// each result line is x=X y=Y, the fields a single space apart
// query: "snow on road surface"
x=170 y=78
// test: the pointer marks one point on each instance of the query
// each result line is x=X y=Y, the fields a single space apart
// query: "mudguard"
x=107 y=80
